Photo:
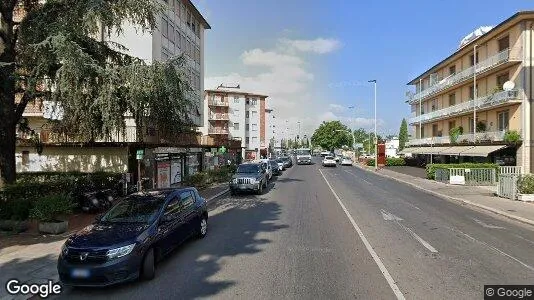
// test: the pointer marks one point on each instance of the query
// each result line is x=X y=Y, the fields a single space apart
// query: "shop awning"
x=408 y=150
x=433 y=150
x=482 y=151
x=456 y=150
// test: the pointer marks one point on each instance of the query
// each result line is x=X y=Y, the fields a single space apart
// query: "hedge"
x=431 y=168
x=526 y=184
x=390 y=161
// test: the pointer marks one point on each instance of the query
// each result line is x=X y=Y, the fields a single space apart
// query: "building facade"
x=235 y=115
x=474 y=104
x=392 y=147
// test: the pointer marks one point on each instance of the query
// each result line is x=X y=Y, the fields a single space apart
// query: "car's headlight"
x=120 y=252
x=64 y=249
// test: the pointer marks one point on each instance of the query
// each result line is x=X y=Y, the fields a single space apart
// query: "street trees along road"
x=329 y=136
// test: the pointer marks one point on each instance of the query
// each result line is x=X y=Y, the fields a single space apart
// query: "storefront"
x=173 y=165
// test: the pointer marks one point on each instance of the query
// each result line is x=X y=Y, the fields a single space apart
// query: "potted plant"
x=512 y=137
x=525 y=185
x=454 y=133
x=48 y=211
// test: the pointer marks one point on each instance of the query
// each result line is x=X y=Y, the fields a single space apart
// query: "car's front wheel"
x=202 y=230
x=148 y=270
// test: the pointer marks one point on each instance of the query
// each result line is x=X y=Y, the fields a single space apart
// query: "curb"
x=463 y=201
x=218 y=195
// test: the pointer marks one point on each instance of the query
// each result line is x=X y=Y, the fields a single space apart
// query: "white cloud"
x=336 y=107
x=319 y=45
x=258 y=57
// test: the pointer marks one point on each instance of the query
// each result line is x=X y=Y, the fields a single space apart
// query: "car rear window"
x=329 y=157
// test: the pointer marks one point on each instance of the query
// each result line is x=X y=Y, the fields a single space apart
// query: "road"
x=339 y=233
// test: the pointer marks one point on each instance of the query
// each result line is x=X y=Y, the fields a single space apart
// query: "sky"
x=314 y=58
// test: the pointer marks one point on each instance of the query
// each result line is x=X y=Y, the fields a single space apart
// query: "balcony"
x=508 y=55
x=489 y=136
x=215 y=130
x=219 y=116
x=485 y=102
x=213 y=102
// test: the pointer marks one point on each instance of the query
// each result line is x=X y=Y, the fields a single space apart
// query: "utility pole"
x=375 y=137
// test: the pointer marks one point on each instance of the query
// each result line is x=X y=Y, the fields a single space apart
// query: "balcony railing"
x=488 y=136
x=218 y=130
x=219 y=116
x=444 y=83
x=218 y=103
x=480 y=103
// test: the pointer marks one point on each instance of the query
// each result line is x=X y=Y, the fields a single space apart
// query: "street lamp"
x=375 y=139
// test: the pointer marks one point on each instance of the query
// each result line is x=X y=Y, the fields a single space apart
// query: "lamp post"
x=375 y=137
x=353 y=129
x=475 y=92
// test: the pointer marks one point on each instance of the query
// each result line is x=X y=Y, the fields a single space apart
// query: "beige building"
x=488 y=79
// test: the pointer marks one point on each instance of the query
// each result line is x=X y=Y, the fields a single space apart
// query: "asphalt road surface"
x=339 y=233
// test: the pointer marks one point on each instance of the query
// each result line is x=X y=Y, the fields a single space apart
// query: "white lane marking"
x=375 y=256
x=517 y=235
x=487 y=225
x=494 y=249
x=391 y=217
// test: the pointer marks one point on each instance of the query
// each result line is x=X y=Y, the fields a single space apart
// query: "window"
x=236 y=126
x=502 y=120
x=452 y=70
x=504 y=43
x=25 y=158
x=173 y=206
x=501 y=79
x=422 y=131
x=247 y=101
x=471 y=124
x=246 y=127
x=452 y=99
x=236 y=99
x=182 y=12
x=434 y=105
x=434 y=129
x=194 y=26
x=247 y=140
x=187 y=199
x=254 y=101
x=247 y=114
x=472 y=59
x=171 y=34
x=188 y=19
x=452 y=124
x=254 y=127
x=472 y=92
x=178 y=39
x=165 y=28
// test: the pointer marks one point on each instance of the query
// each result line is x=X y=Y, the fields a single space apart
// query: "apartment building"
x=232 y=114
x=472 y=105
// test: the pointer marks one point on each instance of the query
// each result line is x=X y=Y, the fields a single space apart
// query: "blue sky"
x=314 y=58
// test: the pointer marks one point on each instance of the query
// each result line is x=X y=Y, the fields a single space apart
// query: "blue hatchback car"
x=126 y=242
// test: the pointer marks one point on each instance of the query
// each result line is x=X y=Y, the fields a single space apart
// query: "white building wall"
x=254 y=118
x=236 y=114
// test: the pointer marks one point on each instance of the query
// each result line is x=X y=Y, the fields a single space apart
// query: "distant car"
x=288 y=162
x=346 y=161
x=338 y=158
x=304 y=156
x=126 y=242
x=268 y=167
x=249 y=177
x=275 y=167
x=280 y=163
x=325 y=153
x=329 y=161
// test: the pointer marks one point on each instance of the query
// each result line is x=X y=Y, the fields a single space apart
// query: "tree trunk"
x=7 y=153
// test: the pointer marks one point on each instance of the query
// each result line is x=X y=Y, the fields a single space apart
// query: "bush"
x=48 y=208
x=370 y=162
x=395 y=161
x=15 y=210
x=197 y=180
x=526 y=184
x=431 y=168
x=512 y=137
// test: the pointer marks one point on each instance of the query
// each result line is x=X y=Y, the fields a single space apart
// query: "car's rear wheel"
x=148 y=271
x=202 y=227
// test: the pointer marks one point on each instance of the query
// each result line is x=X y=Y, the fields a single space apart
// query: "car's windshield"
x=248 y=168
x=303 y=152
x=136 y=209
x=329 y=157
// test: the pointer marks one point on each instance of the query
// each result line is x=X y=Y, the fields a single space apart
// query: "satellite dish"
x=508 y=86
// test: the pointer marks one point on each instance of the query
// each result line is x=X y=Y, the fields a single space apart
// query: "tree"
x=50 y=51
x=331 y=135
x=360 y=135
x=403 y=134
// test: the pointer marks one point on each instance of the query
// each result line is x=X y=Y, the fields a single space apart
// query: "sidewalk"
x=481 y=197
x=36 y=263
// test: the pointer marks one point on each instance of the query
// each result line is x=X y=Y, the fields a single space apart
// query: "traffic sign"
x=139 y=154
x=222 y=149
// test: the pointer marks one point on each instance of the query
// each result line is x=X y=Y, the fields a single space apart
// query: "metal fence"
x=510 y=170
x=475 y=176
x=507 y=186
x=442 y=175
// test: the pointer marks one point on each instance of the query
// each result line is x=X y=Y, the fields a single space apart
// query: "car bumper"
x=105 y=274
x=329 y=164
x=245 y=186
x=304 y=161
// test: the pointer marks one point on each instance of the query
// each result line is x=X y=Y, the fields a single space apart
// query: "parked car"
x=346 y=161
x=126 y=242
x=338 y=158
x=275 y=167
x=268 y=167
x=249 y=177
x=329 y=161
x=325 y=153
x=281 y=165
x=288 y=162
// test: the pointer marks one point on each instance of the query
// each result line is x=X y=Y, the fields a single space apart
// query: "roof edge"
x=198 y=14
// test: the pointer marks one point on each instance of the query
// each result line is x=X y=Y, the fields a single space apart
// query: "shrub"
x=512 y=137
x=395 y=161
x=198 y=180
x=370 y=162
x=431 y=168
x=48 y=208
x=526 y=184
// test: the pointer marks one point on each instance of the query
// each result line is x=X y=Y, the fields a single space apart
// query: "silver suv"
x=249 y=177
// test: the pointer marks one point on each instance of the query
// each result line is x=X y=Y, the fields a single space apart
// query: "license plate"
x=80 y=273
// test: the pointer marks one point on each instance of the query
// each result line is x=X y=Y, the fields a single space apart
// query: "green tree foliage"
x=59 y=52
x=360 y=135
x=403 y=134
x=331 y=135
